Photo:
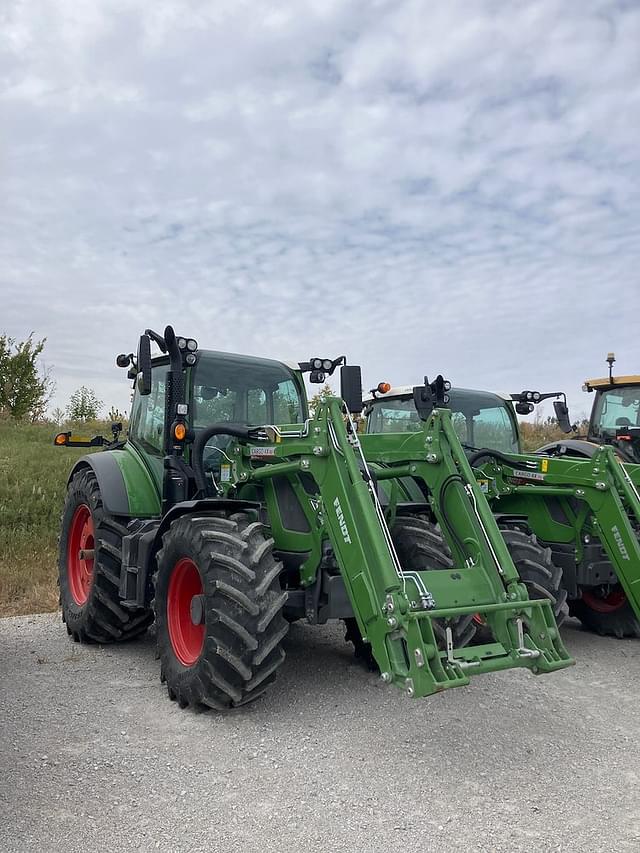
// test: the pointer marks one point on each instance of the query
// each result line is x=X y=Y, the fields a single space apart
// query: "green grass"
x=33 y=479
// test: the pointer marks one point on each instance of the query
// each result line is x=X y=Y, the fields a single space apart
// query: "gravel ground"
x=94 y=757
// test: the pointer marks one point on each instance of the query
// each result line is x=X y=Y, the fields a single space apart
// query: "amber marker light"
x=384 y=387
x=60 y=439
x=179 y=432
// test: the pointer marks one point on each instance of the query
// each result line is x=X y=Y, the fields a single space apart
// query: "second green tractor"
x=570 y=518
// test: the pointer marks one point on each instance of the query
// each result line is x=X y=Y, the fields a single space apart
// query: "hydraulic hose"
x=485 y=453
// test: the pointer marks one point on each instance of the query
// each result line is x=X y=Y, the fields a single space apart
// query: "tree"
x=26 y=387
x=116 y=415
x=57 y=416
x=84 y=405
x=314 y=402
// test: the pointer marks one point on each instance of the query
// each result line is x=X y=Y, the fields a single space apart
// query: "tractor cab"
x=219 y=388
x=481 y=419
x=615 y=415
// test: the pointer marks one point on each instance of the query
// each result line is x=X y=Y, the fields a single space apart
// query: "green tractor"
x=228 y=513
x=577 y=517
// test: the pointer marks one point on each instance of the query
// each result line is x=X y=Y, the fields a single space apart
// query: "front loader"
x=228 y=513
x=588 y=511
x=581 y=516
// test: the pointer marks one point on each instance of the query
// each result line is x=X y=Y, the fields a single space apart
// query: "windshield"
x=480 y=419
x=616 y=409
x=242 y=390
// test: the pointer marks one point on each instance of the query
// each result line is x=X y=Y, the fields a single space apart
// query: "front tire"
x=420 y=546
x=218 y=605
x=538 y=573
x=90 y=556
x=542 y=578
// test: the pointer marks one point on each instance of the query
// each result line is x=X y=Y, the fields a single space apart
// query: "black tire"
x=419 y=545
x=537 y=571
x=242 y=604
x=100 y=618
x=609 y=621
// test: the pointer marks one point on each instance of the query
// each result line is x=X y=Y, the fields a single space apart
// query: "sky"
x=427 y=187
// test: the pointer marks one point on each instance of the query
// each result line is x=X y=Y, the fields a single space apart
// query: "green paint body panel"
x=142 y=489
x=598 y=496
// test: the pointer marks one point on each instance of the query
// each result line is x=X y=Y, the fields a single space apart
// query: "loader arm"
x=397 y=610
x=603 y=484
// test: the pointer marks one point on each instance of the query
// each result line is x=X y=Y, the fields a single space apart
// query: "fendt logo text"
x=343 y=524
x=621 y=546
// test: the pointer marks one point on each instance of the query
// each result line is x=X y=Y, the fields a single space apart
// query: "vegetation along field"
x=33 y=477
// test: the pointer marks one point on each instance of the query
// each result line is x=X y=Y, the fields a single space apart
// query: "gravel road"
x=94 y=757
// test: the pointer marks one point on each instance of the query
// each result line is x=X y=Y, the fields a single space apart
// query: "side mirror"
x=143 y=379
x=351 y=387
x=562 y=414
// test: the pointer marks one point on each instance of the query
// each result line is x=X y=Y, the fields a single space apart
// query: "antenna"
x=611 y=357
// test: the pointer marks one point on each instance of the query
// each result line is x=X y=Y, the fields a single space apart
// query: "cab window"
x=245 y=391
x=147 y=416
x=394 y=416
x=617 y=408
x=480 y=419
x=492 y=428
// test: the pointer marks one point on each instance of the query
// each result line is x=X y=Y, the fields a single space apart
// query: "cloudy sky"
x=425 y=186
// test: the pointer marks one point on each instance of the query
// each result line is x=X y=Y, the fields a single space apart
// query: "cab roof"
x=407 y=391
x=605 y=382
x=238 y=358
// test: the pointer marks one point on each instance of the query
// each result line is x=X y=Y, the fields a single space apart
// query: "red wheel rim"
x=605 y=604
x=79 y=563
x=186 y=638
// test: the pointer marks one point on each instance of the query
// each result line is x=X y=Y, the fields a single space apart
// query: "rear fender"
x=126 y=486
x=570 y=447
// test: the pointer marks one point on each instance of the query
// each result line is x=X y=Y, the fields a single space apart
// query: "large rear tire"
x=607 y=612
x=90 y=555
x=218 y=605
